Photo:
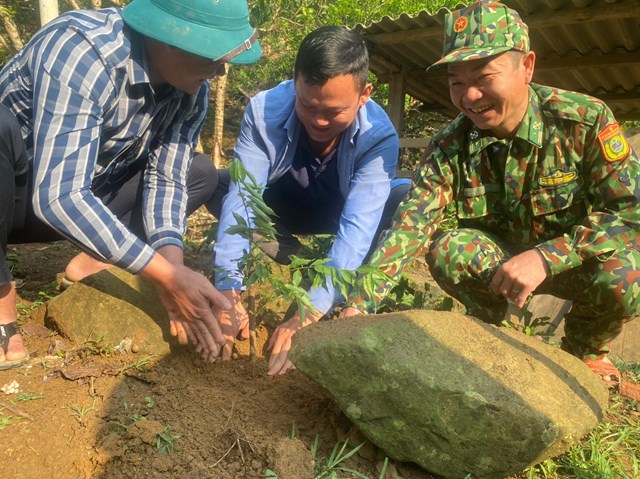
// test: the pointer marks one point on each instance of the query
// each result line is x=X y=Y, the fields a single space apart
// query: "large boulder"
x=450 y=393
x=112 y=305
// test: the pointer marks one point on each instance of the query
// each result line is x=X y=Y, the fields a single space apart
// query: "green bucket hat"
x=214 y=29
x=481 y=30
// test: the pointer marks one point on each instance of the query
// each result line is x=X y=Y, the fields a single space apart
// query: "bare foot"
x=82 y=266
x=8 y=313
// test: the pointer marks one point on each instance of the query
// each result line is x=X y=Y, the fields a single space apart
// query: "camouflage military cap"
x=481 y=30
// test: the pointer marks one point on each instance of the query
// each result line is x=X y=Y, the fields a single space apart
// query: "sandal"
x=605 y=369
x=610 y=375
x=6 y=332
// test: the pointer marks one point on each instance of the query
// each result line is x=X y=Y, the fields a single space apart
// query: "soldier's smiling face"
x=493 y=92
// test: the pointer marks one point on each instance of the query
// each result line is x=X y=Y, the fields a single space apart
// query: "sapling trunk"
x=251 y=311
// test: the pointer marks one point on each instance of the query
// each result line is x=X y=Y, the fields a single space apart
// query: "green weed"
x=132 y=419
x=331 y=467
x=538 y=326
x=165 y=441
x=24 y=309
x=611 y=451
x=128 y=420
x=5 y=421
x=405 y=295
x=81 y=412
x=29 y=397
x=136 y=365
x=625 y=366
x=95 y=347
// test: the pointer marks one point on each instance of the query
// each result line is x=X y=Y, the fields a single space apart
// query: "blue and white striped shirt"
x=81 y=92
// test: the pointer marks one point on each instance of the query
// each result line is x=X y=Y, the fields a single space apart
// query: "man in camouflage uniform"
x=546 y=190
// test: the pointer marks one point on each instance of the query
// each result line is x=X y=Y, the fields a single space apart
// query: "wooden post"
x=396 y=100
x=48 y=10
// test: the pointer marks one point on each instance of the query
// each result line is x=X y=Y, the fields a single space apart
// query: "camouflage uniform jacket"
x=568 y=185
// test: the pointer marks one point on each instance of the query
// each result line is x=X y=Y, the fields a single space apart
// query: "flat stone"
x=450 y=393
x=110 y=306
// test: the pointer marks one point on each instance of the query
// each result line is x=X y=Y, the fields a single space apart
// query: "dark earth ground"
x=139 y=416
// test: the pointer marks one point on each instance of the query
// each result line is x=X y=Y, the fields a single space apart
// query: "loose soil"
x=135 y=416
x=129 y=415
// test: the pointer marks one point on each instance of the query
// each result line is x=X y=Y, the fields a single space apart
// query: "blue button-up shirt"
x=367 y=156
x=81 y=92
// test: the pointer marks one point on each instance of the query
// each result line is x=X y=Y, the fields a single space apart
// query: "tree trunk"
x=218 y=129
x=4 y=43
x=74 y=4
x=48 y=10
x=12 y=30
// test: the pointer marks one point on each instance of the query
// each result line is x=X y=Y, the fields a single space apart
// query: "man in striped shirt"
x=99 y=116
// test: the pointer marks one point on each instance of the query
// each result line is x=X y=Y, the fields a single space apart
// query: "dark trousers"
x=18 y=222
x=287 y=244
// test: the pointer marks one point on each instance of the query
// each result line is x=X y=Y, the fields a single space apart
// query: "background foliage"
x=282 y=25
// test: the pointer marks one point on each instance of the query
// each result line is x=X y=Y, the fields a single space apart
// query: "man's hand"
x=280 y=342
x=349 y=311
x=518 y=277
x=232 y=321
x=189 y=298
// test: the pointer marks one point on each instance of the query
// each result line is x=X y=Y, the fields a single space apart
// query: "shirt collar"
x=137 y=66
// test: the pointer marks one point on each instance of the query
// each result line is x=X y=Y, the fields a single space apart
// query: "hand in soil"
x=280 y=342
x=189 y=303
x=234 y=322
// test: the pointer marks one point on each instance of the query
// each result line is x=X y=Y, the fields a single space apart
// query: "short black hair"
x=331 y=51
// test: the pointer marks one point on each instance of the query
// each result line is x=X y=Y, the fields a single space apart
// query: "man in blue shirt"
x=99 y=116
x=327 y=155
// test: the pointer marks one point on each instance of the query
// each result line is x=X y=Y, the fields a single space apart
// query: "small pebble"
x=124 y=346
x=12 y=388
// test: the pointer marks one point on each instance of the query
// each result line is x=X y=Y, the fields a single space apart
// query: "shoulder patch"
x=613 y=144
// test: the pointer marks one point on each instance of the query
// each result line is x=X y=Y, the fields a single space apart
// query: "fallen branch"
x=225 y=454
x=15 y=410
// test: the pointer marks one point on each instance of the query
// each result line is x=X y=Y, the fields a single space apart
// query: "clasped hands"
x=234 y=324
x=230 y=322
x=213 y=333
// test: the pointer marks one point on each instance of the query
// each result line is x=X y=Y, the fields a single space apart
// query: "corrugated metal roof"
x=592 y=46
